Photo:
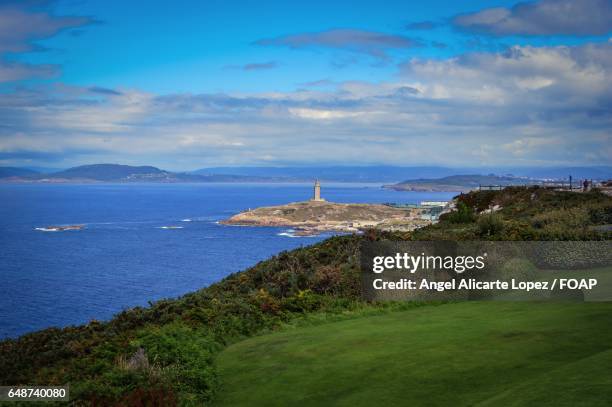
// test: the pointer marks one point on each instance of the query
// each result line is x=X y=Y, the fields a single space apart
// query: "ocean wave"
x=287 y=234
x=294 y=233
x=170 y=227
x=60 y=228
x=47 y=229
x=200 y=219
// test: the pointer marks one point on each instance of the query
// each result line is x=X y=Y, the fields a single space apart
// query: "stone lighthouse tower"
x=317 y=192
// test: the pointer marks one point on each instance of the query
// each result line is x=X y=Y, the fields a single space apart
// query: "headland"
x=313 y=217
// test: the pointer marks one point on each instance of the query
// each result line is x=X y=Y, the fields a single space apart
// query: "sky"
x=189 y=84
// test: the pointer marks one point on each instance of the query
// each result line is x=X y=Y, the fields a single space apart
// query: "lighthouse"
x=317 y=192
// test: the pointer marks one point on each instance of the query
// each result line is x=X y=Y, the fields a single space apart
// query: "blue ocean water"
x=125 y=257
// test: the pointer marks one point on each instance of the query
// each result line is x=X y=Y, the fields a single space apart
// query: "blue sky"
x=190 y=84
x=196 y=46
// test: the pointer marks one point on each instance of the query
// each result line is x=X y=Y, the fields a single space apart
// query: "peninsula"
x=318 y=215
x=460 y=183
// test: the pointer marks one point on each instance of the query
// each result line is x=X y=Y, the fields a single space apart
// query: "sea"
x=140 y=243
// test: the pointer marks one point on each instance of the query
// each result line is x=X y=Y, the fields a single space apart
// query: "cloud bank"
x=527 y=105
x=546 y=17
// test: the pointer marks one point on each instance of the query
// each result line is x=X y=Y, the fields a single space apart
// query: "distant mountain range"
x=6 y=172
x=119 y=173
x=112 y=172
x=44 y=170
x=376 y=174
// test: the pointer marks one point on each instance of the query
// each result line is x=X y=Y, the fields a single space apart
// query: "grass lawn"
x=470 y=353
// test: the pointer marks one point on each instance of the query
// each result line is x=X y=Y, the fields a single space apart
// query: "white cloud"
x=321 y=114
x=544 y=77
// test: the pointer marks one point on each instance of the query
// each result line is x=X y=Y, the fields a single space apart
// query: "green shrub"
x=304 y=301
x=181 y=357
x=570 y=218
x=600 y=214
x=490 y=225
x=462 y=214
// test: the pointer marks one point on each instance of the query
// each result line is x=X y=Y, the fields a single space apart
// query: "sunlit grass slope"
x=473 y=353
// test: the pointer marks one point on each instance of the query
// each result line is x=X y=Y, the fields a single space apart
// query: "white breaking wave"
x=287 y=234
x=291 y=233
x=47 y=229
x=170 y=227
x=60 y=228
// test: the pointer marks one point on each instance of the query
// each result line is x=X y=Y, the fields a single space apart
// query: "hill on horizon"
x=122 y=173
x=458 y=182
x=108 y=172
x=6 y=172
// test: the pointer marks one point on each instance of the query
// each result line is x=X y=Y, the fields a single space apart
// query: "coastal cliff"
x=311 y=217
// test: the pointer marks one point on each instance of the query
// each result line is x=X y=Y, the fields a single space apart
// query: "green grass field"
x=471 y=353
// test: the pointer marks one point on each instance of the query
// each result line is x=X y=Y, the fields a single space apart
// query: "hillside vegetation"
x=166 y=352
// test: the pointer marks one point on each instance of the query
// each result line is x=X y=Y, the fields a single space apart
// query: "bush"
x=570 y=218
x=181 y=357
x=462 y=214
x=304 y=301
x=490 y=225
x=600 y=214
